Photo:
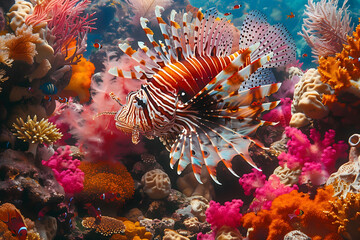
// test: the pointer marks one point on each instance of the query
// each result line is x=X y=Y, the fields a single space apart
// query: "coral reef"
x=35 y=132
x=347 y=177
x=227 y=215
x=106 y=177
x=326 y=27
x=22 y=178
x=107 y=226
x=345 y=215
x=275 y=223
x=66 y=170
x=316 y=160
x=133 y=231
x=308 y=99
x=156 y=184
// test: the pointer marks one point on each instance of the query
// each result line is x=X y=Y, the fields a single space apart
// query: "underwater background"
x=230 y=120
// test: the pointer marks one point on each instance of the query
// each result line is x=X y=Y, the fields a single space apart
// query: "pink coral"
x=229 y=214
x=265 y=190
x=66 y=170
x=316 y=159
x=281 y=114
x=252 y=181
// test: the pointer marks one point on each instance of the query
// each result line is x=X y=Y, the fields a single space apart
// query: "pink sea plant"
x=97 y=136
x=316 y=158
x=66 y=170
x=64 y=23
x=264 y=191
x=228 y=214
x=326 y=27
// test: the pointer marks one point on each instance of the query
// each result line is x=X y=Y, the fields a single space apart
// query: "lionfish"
x=200 y=99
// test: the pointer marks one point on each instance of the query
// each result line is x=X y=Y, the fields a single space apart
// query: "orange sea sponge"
x=343 y=71
x=103 y=177
x=345 y=215
x=133 y=231
x=273 y=224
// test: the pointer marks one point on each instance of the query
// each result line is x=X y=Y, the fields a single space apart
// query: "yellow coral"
x=36 y=132
x=106 y=227
x=133 y=231
x=105 y=177
x=345 y=214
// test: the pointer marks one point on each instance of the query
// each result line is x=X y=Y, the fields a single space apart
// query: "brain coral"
x=156 y=184
x=105 y=177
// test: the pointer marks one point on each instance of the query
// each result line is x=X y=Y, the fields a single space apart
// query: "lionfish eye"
x=140 y=102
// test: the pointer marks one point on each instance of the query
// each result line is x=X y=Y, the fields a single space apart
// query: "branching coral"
x=36 y=132
x=345 y=215
x=265 y=190
x=342 y=72
x=66 y=170
x=326 y=27
x=106 y=227
x=105 y=177
x=227 y=215
x=273 y=224
x=317 y=159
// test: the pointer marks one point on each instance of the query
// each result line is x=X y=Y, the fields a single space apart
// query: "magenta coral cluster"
x=228 y=214
x=264 y=191
x=66 y=170
x=316 y=158
x=281 y=114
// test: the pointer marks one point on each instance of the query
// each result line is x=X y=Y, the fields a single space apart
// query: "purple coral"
x=228 y=215
x=317 y=159
x=66 y=170
x=265 y=190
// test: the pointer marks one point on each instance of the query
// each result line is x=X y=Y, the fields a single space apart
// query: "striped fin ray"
x=157 y=61
x=175 y=35
x=150 y=36
x=186 y=33
x=274 y=38
x=164 y=32
x=147 y=63
x=127 y=74
x=247 y=97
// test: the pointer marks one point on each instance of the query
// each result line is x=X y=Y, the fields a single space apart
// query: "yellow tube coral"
x=133 y=231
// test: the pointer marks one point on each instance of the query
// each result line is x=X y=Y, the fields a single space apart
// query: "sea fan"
x=326 y=27
x=146 y=8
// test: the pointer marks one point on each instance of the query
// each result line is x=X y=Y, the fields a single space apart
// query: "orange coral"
x=275 y=223
x=133 y=231
x=22 y=46
x=80 y=81
x=345 y=215
x=105 y=177
x=343 y=70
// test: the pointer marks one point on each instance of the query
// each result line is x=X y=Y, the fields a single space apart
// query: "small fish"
x=297 y=213
x=97 y=45
x=93 y=212
x=291 y=15
x=237 y=6
x=304 y=55
x=60 y=99
x=110 y=196
x=16 y=224
x=227 y=14
x=43 y=212
x=48 y=88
